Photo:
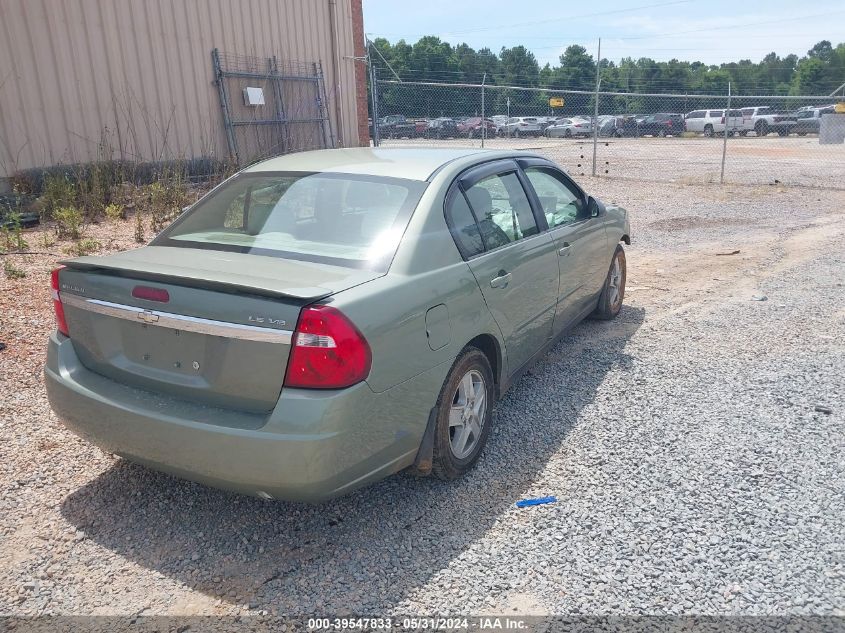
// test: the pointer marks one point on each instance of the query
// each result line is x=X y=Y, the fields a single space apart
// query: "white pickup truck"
x=762 y=119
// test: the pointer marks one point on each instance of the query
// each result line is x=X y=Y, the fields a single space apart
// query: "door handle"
x=564 y=250
x=501 y=281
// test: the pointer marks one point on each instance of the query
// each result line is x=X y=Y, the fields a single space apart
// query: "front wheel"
x=464 y=415
x=613 y=292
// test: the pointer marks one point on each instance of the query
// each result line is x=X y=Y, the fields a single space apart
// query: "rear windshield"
x=340 y=219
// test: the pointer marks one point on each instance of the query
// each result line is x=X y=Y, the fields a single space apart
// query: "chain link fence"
x=679 y=138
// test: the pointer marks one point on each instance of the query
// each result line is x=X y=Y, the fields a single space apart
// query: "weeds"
x=59 y=193
x=47 y=241
x=13 y=272
x=68 y=223
x=139 y=227
x=83 y=247
x=13 y=237
x=115 y=211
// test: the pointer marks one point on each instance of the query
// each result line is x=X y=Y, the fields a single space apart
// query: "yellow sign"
x=556 y=102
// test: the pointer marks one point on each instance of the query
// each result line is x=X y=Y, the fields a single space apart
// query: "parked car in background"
x=396 y=126
x=712 y=122
x=662 y=124
x=499 y=120
x=442 y=127
x=567 y=128
x=618 y=126
x=809 y=121
x=764 y=119
x=473 y=126
x=520 y=126
x=311 y=325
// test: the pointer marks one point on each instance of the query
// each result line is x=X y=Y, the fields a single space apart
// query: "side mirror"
x=593 y=207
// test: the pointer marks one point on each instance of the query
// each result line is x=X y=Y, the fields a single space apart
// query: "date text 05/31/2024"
x=486 y=623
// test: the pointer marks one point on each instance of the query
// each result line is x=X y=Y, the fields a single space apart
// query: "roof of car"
x=414 y=163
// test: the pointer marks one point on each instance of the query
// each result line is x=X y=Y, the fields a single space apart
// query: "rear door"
x=580 y=240
x=517 y=269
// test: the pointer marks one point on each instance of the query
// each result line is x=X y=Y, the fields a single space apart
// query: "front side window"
x=340 y=219
x=561 y=204
x=501 y=206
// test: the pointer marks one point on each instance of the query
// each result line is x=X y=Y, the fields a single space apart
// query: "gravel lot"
x=693 y=472
x=792 y=160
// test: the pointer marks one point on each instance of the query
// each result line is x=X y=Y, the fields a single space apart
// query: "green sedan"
x=325 y=319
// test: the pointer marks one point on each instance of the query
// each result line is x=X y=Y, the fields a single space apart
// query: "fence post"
x=725 y=140
x=374 y=96
x=596 y=115
x=483 y=125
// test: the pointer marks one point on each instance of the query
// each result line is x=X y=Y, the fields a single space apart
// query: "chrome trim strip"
x=179 y=321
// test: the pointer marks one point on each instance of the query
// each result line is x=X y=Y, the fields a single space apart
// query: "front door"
x=580 y=241
x=518 y=271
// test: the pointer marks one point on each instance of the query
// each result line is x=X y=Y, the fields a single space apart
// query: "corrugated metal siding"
x=88 y=79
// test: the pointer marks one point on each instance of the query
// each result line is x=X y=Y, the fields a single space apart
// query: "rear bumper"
x=314 y=445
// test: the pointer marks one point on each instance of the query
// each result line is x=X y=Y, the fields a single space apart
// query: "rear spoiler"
x=226 y=282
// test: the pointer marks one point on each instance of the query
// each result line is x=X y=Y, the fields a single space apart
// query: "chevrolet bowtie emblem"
x=148 y=317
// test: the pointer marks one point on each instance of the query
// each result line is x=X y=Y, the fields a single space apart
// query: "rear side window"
x=698 y=114
x=463 y=226
x=715 y=113
x=501 y=206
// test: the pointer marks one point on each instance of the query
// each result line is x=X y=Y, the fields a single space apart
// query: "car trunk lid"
x=221 y=336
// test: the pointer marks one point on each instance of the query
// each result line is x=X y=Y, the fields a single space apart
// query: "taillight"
x=327 y=351
x=723 y=120
x=58 y=308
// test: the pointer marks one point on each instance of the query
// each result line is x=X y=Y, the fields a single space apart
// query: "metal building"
x=84 y=80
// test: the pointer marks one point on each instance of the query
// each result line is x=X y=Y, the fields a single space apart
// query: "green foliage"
x=430 y=59
x=12 y=272
x=68 y=222
x=13 y=235
x=115 y=211
x=83 y=247
x=58 y=192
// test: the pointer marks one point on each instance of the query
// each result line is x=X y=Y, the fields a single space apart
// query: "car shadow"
x=367 y=551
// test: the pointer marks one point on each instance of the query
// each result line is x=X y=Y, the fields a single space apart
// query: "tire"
x=568 y=133
x=783 y=133
x=662 y=134
x=762 y=128
x=708 y=130
x=610 y=303
x=516 y=133
x=471 y=133
x=471 y=368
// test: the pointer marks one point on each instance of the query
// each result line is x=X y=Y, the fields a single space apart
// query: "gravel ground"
x=750 y=160
x=693 y=472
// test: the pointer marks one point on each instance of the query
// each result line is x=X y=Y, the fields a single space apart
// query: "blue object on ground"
x=535 y=502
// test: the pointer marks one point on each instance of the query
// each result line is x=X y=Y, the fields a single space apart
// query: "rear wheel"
x=708 y=130
x=568 y=133
x=613 y=293
x=464 y=414
x=662 y=133
x=762 y=128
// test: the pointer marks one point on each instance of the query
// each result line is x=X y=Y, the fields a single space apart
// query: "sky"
x=711 y=31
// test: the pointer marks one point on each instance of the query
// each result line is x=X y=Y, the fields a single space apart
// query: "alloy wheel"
x=467 y=414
